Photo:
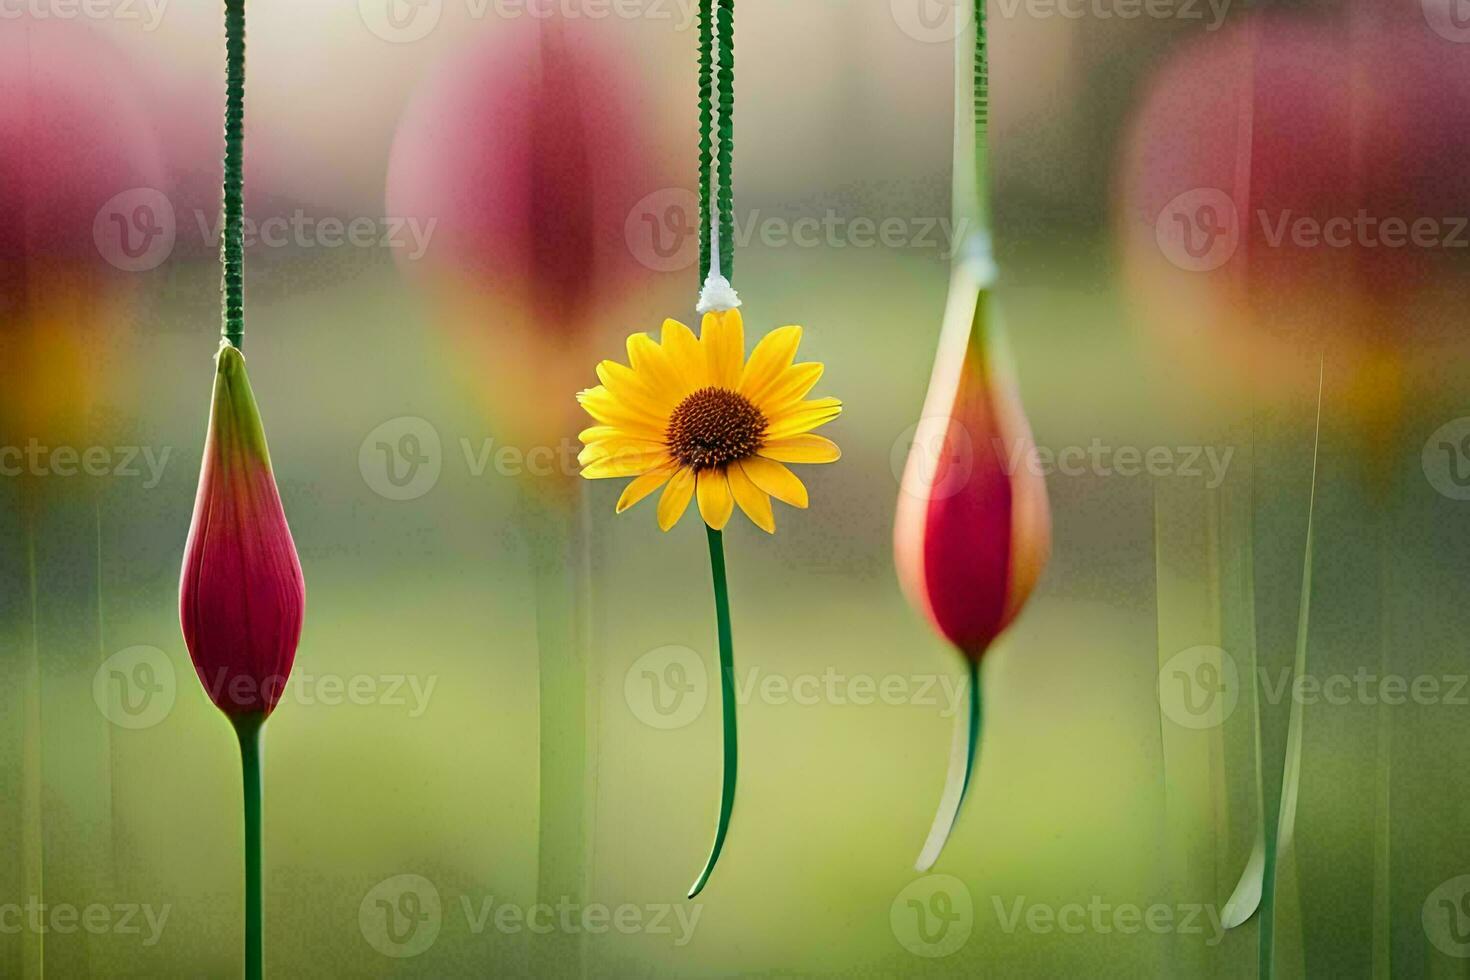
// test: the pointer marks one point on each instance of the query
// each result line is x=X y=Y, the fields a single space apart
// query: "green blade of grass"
x=1279 y=837
x=1246 y=897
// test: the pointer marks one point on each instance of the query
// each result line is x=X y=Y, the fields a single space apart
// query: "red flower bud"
x=241 y=595
x=973 y=531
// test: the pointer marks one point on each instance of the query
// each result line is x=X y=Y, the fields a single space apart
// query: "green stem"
x=232 y=247
x=727 y=700
x=964 y=754
x=973 y=751
x=248 y=731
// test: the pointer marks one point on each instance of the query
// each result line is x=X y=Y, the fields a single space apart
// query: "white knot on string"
x=717 y=295
x=976 y=254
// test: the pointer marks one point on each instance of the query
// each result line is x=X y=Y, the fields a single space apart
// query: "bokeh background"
x=403 y=387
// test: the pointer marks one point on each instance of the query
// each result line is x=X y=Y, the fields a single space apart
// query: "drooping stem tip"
x=727 y=702
x=964 y=752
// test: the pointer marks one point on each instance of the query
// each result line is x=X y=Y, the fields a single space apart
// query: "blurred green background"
x=1088 y=793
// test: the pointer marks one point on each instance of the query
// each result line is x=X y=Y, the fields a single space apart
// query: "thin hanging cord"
x=716 y=190
x=706 y=130
x=232 y=247
x=725 y=207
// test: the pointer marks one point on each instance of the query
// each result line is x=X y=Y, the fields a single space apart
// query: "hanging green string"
x=716 y=174
x=975 y=198
x=706 y=126
x=232 y=246
x=727 y=137
x=982 y=81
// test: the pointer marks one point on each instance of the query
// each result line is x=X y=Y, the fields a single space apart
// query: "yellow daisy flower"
x=693 y=416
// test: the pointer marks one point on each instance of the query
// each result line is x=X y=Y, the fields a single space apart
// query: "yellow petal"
x=593 y=433
x=791 y=386
x=686 y=357
x=620 y=446
x=603 y=406
x=628 y=388
x=752 y=499
x=803 y=417
x=806 y=448
x=771 y=357
x=775 y=479
x=675 y=498
x=715 y=501
x=624 y=464
x=652 y=365
x=645 y=485
x=723 y=337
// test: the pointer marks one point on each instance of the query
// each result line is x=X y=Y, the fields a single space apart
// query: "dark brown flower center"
x=713 y=427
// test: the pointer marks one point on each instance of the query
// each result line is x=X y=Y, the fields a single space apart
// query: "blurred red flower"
x=79 y=170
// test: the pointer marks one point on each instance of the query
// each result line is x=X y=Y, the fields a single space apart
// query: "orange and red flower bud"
x=973 y=530
x=241 y=595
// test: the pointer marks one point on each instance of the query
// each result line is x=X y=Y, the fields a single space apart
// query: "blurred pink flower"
x=1289 y=183
x=77 y=155
x=528 y=153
